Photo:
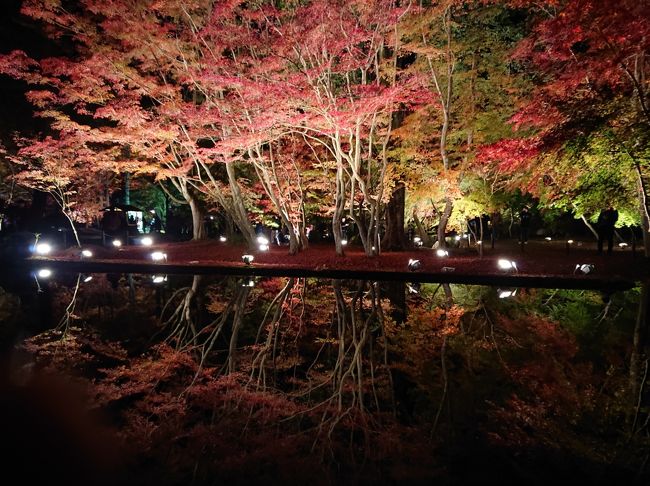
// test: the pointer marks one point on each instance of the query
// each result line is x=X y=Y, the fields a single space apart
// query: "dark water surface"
x=180 y=379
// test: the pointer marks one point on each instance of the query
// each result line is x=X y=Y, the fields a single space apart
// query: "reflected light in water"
x=44 y=273
x=504 y=294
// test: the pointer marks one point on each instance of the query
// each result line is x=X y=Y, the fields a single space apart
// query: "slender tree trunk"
x=74 y=228
x=339 y=208
x=442 y=225
x=239 y=213
x=588 y=225
x=127 y=188
x=198 y=229
x=640 y=341
x=643 y=209
x=238 y=317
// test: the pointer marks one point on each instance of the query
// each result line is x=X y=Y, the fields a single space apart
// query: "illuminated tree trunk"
x=238 y=211
x=442 y=225
x=394 y=238
x=198 y=229
x=339 y=208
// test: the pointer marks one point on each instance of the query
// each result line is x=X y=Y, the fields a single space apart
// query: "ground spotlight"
x=117 y=243
x=458 y=238
x=507 y=265
x=88 y=278
x=158 y=256
x=44 y=273
x=247 y=259
x=442 y=253
x=548 y=238
x=86 y=253
x=622 y=245
x=147 y=241
x=262 y=240
x=263 y=247
x=344 y=242
x=249 y=283
x=223 y=239
x=584 y=268
x=570 y=242
x=43 y=248
x=414 y=265
x=157 y=279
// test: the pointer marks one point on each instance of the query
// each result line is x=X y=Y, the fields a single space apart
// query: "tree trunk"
x=127 y=188
x=643 y=207
x=588 y=225
x=198 y=229
x=421 y=231
x=640 y=341
x=396 y=293
x=442 y=225
x=339 y=208
x=295 y=243
x=74 y=228
x=239 y=213
x=394 y=239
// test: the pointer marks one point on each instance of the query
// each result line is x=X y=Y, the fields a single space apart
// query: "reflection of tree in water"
x=287 y=365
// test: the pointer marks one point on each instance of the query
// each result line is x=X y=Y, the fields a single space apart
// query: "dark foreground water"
x=163 y=379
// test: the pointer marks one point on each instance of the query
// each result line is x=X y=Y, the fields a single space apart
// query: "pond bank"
x=540 y=264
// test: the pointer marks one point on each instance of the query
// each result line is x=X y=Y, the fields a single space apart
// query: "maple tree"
x=592 y=56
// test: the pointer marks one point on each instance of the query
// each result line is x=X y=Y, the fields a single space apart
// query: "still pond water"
x=176 y=379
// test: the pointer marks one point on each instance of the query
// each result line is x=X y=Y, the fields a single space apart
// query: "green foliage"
x=589 y=174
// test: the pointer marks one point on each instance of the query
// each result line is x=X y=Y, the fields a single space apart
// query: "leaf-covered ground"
x=539 y=258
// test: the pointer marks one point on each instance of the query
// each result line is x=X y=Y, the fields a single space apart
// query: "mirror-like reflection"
x=210 y=378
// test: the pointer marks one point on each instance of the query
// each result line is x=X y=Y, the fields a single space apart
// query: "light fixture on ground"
x=442 y=253
x=507 y=265
x=504 y=294
x=223 y=239
x=584 y=268
x=263 y=243
x=44 y=273
x=157 y=279
x=43 y=248
x=249 y=283
x=117 y=243
x=414 y=265
x=548 y=238
x=247 y=259
x=622 y=245
x=88 y=278
x=570 y=242
x=147 y=241
x=344 y=242
x=417 y=240
x=458 y=238
x=86 y=253
x=158 y=256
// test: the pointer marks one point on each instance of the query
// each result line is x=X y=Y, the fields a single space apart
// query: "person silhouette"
x=606 y=223
x=524 y=224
